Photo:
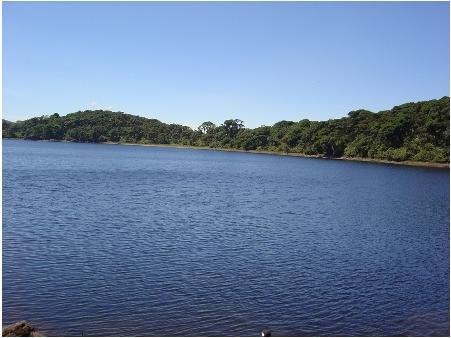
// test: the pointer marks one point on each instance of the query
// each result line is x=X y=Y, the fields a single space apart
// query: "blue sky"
x=193 y=62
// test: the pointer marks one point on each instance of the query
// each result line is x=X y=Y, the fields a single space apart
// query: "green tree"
x=232 y=127
x=206 y=127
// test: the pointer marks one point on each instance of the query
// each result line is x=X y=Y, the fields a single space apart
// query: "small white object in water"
x=266 y=333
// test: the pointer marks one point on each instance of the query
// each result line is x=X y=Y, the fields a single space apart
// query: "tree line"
x=412 y=131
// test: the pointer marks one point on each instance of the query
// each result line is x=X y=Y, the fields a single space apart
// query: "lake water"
x=130 y=240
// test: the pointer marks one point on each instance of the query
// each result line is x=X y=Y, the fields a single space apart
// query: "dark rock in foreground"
x=20 y=329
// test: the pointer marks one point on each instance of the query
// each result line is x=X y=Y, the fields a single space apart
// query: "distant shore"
x=280 y=153
x=267 y=152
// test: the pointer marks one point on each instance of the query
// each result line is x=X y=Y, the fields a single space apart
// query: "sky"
x=192 y=62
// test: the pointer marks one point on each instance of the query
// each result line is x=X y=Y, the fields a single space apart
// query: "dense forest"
x=412 y=131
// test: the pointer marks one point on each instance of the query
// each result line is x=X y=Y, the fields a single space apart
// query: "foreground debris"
x=20 y=329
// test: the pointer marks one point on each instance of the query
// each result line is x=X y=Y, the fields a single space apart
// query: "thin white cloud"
x=97 y=106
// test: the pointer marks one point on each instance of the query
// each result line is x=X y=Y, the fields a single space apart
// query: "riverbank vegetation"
x=409 y=132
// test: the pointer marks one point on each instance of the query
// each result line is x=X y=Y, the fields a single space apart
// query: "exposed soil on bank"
x=358 y=159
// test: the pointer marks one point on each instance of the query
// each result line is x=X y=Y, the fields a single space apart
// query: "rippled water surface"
x=129 y=240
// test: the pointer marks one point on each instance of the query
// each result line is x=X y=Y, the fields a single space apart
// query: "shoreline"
x=280 y=153
x=409 y=163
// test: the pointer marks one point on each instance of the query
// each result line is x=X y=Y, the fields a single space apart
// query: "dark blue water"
x=129 y=240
